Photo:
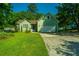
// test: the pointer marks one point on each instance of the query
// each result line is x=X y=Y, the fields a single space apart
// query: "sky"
x=42 y=7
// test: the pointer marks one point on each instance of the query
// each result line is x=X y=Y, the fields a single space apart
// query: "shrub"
x=27 y=31
x=4 y=35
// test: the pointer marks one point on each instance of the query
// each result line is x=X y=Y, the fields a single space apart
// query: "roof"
x=33 y=21
x=30 y=21
x=20 y=21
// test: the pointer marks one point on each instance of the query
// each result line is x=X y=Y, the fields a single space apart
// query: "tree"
x=32 y=11
x=32 y=8
x=21 y=15
x=5 y=14
x=68 y=13
x=27 y=15
x=39 y=15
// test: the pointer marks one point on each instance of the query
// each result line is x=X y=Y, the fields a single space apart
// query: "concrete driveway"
x=61 y=45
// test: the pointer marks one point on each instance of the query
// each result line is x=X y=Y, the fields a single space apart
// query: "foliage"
x=27 y=15
x=32 y=13
x=32 y=8
x=9 y=18
x=68 y=13
x=5 y=14
x=32 y=16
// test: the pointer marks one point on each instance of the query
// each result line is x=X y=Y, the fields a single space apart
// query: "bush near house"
x=4 y=35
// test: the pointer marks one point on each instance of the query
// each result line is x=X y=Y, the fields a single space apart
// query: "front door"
x=34 y=27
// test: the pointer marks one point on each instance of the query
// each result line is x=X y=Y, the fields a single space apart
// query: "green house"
x=47 y=23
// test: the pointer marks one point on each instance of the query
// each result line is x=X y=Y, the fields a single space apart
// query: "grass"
x=23 y=44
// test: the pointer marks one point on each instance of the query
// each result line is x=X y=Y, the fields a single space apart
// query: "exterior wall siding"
x=39 y=25
x=48 y=29
x=22 y=28
x=47 y=25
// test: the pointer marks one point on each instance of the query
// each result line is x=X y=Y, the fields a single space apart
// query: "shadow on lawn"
x=69 y=48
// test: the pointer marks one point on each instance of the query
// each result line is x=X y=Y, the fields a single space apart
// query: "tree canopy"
x=5 y=14
x=9 y=17
x=68 y=13
x=32 y=8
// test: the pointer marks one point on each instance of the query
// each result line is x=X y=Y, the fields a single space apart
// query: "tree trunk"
x=78 y=27
x=77 y=23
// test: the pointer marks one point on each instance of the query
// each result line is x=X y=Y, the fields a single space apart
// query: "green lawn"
x=23 y=44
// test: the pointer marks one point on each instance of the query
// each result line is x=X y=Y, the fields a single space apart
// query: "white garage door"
x=48 y=29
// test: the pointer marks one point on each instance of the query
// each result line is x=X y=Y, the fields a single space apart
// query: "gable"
x=48 y=20
x=22 y=22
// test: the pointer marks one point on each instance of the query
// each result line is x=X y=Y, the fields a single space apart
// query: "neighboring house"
x=9 y=29
x=47 y=23
x=23 y=26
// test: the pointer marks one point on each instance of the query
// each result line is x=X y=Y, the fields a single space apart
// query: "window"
x=48 y=17
x=25 y=25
